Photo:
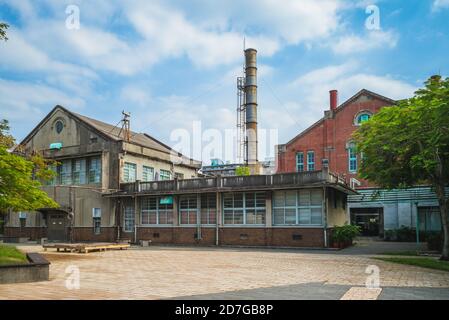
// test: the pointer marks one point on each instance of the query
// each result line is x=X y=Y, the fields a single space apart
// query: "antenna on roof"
x=126 y=126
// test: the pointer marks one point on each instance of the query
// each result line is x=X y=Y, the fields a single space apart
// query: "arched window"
x=362 y=117
x=59 y=126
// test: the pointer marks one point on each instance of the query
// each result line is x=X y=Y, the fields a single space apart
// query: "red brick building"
x=328 y=141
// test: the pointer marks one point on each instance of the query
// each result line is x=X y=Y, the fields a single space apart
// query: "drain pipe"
x=325 y=209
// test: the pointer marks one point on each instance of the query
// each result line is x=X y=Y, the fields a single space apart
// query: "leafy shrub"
x=346 y=233
x=405 y=234
x=435 y=241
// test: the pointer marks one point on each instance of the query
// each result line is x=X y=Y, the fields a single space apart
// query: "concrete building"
x=328 y=143
x=93 y=158
x=281 y=210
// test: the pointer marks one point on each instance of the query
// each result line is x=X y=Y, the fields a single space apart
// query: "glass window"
x=352 y=158
x=165 y=175
x=129 y=218
x=310 y=161
x=79 y=171
x=362 y=117
x=147 y=174
x=244 y=208
x=95 y=170
x=300 y=162
x=96 y=214
x=188 y=209
x=129 y=172
x=153 y=212
x=208 y=208
x=303 y=207
x=66 y=172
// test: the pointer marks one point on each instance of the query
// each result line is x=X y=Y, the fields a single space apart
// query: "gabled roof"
x=343 y=105
x=110 y=132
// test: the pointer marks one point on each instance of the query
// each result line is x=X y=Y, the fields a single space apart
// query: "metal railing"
x=234 y=182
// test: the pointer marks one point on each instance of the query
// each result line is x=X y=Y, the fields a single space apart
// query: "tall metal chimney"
x=251 y=105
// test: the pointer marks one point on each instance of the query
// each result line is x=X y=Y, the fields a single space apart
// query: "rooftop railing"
x=296 y=179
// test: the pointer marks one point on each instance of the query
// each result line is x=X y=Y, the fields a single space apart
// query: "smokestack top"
x=250 y=49
x=333 y=94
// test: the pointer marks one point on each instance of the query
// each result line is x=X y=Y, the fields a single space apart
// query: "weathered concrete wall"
x=336 y=208
x=157 y=165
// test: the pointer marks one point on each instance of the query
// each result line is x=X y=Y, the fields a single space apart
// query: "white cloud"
x=372 y=40
x=440 y=4
x=24 y=103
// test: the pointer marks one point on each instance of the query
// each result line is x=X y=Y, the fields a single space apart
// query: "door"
x=56 y=224
x=369 y=219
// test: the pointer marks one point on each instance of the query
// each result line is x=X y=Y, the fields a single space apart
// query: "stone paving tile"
x=167 y=272
x=407 y=293
x=307 y=291
x=361 y=293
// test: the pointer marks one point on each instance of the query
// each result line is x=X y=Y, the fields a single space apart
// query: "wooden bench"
x=85 y=247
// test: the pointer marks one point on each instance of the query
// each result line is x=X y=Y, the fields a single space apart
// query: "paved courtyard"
x=227 y=273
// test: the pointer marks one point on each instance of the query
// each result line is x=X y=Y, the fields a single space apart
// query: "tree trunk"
x=444 y=208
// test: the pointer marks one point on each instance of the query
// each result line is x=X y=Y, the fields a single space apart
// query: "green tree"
x=242 y=171
x=408 y=144
x=3 y=28
x=19 y=177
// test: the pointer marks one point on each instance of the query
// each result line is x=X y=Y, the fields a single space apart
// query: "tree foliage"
x=242 y=171
x=408 y=144
x=3 y=28
x=19 y=177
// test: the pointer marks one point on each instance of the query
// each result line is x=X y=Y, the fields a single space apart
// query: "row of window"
x=77 y=172
x=310 y=161
x=303 y=207
x=148 y=173
x=310 y=165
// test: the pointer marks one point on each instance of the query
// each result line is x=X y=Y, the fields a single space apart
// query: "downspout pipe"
x=325 y=208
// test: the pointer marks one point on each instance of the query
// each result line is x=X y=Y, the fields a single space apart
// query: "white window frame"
x=309 y=162
x=297 y=207
x=163 y=177
x=127 y=173
x=244 y=209
x=298 y=164
x=145 y=170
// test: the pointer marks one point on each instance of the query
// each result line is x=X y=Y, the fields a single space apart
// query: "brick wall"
x=329 y=138
x=87 y=234
x=33 y=233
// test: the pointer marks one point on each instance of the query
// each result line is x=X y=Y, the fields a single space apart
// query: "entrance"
x=56 y=227
x=369 y=219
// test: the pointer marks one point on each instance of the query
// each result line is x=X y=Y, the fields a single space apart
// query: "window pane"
x=228 y=217
x=238 y=200
x=278 y=199
x=304 y=198
x=228 y=200
x=147 y=174
x=290 y=198
x=316 y=216
x=278 y=216
x=250 y=200
x=304 y=216
x=184 y=217
x=250 y=216
x=316 y=197
x=260 y=200
x=238 y=216
x=290 y=216
x=260 y=216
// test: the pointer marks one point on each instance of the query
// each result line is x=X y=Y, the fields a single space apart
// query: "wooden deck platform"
x=85 y=247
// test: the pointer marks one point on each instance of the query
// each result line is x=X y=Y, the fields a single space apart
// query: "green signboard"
x=56 y=145
x=166 y=200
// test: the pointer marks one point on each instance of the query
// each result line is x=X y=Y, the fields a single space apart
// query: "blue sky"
x=174 y=62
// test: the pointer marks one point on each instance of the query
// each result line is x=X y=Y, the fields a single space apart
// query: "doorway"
x=370 y=220
x=56 y=227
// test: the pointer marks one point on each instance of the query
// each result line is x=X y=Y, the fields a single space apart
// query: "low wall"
x=36 y=270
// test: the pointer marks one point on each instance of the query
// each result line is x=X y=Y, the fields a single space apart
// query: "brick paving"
x=179 y=272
